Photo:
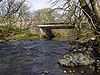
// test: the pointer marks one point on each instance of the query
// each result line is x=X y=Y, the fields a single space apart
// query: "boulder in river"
x=77 y=59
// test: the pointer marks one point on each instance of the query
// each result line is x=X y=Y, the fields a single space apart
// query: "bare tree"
x=90 y=8
x=9 y=9
x=10 y=13
x=43 y=16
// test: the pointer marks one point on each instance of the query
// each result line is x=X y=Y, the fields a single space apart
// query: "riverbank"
x=82 y=54
x=13 y=33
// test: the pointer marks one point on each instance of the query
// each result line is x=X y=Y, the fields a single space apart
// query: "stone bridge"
x=46 y=28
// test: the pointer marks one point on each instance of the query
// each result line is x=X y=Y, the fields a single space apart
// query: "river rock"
x=77 y=59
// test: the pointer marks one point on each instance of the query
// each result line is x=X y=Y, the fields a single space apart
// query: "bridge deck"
x=60 y=26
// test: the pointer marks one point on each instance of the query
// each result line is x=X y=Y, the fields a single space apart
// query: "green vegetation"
x=17 y=13
x=65 y=34
x=13 y=33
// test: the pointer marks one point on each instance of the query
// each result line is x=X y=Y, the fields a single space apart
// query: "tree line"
x=67 y=11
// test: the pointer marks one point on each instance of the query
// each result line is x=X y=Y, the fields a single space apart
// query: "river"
x=35 y=57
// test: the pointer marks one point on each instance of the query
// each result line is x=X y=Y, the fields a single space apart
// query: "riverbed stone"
x=77 y=59
x=80 y=54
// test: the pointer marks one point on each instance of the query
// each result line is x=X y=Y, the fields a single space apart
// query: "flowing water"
x=36 y=57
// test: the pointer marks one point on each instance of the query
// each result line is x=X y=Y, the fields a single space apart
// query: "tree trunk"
x=93 y=14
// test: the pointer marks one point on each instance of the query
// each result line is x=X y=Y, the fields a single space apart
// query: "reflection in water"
x=37 y=58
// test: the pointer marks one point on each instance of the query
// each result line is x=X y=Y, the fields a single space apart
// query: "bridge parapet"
x=46 y=29
x=57 y=26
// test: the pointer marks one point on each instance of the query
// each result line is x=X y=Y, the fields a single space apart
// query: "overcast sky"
x=39 y=4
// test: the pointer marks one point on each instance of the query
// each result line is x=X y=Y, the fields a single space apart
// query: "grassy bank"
x=13 y=33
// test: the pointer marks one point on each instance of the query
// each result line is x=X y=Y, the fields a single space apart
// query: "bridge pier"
x=46 y=32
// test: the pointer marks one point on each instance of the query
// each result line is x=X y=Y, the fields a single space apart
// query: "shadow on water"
x=36 y=57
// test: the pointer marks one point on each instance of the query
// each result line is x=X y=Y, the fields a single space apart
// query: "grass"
x=13 y=33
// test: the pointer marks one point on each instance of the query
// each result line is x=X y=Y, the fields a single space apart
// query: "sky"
x=39 y=4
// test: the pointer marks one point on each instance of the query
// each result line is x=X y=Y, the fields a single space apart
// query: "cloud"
x=39 y=4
